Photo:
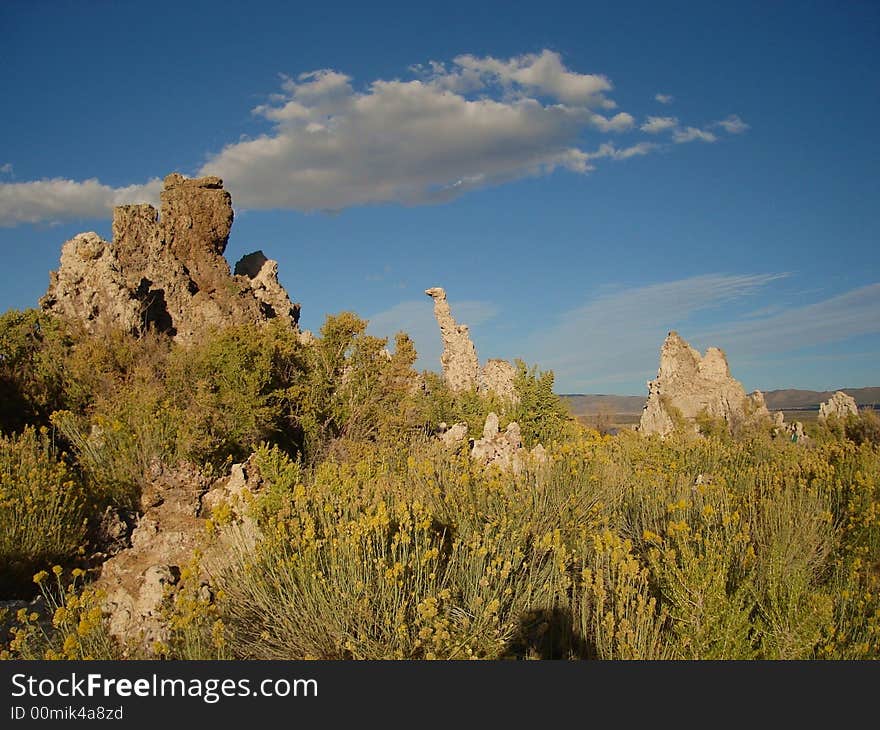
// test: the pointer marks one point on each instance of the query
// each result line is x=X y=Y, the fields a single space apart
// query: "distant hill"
x=583 y=405
x=777 y=400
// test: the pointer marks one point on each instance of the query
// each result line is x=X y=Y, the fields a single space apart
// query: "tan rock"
x=498 y=378
x=504 y=450
x=90 y=287
x=455 y=435
x=840 y=405
x=167 y=271
x=461 y=368
x=689 y=385
x=137 y=581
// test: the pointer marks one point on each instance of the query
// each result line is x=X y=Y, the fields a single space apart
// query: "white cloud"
x=6 y=169
x=587 y=345
x=655 y=125
x=469 y=124
x=59 y=199
x=543 y=73
x=853 y=313
x=664 y=98
x=418 y=141
x=416 y=318
x=610 y=151
x=690 y=134
x=732 y=125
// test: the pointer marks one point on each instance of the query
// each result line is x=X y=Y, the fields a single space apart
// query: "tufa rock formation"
x=498 y=376
x=461 y=367
x=840 y=405
x=138 y=581
x=505 y=450
x=688 y=385
x=166 y=270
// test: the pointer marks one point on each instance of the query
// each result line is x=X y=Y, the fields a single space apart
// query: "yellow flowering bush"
x=42 y=508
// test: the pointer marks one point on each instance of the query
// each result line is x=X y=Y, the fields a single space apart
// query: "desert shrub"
x=617 y=611
x=115 y=452
x=359 y=564
x=42 y=508
x=711 y=426
x=33 y=349
x=101 y=368
x=232 y=390
x=621 y=547
x=541 y=414
x=71 y=624
x=863 y=428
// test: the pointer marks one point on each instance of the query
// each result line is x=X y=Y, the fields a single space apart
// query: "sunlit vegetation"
x=372 y=541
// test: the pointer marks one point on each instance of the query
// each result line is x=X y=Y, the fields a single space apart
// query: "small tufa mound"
x=138 y=581
x=167 y=272
x=503 y=449
x=689 y=385
x=840 y=405
x=461 y=366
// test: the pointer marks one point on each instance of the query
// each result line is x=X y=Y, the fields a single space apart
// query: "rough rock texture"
x=138 y=580
x=90 y=286
x=839 y=405
x=688 y=385
x=243 y=482
x=167 y=270
x=504 y=449
x=461 y=367
x=453 y=436
x=498 y=376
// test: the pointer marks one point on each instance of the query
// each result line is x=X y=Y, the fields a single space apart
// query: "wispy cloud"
x=416 y=318
x=474 y=122
x=664 y=98
x=612 y=341
x=732 y=125
x=615 y=337
x=846 y=315
x=6 y=168
x=692 y=134
x=655 y=125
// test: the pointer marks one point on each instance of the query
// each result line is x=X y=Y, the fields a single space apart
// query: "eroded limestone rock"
x=840 y=405
x=166 y=269
x=453 y=436
x=89 y=286
x=138 y=581
x=498 y=377
x=504 y=449
x=461 y=366
x=689 y=385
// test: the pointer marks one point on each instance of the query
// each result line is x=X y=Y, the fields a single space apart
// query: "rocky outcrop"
x=840 y=405
x=138 y=581
x=498 y=378
x=461 y=366
x=165 y=270
x=502 y=448
x=689 y=385
x=90 y=287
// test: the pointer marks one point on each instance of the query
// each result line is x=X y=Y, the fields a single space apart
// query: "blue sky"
x=580 y=179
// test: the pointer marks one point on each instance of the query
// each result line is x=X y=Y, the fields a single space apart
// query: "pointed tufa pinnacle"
x=689 y=385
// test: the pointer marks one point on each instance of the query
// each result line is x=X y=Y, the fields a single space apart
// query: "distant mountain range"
x=777 y=400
